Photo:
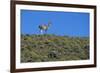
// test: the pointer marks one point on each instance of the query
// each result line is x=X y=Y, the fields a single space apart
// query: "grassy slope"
x=41 y=48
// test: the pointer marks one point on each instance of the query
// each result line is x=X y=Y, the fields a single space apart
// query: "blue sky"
x=63 y=23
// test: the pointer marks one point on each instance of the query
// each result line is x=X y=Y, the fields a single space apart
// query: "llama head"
x=49 y=23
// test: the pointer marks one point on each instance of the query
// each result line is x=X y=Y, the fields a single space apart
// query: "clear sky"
x=63 y=23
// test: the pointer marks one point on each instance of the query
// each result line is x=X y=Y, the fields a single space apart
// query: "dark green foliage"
x=48 y=47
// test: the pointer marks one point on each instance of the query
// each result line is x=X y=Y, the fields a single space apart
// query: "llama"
x=44 y=27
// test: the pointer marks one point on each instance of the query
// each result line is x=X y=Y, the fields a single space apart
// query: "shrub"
x=48 y=47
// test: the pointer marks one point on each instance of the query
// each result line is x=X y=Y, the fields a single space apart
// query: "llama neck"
x=49 y=24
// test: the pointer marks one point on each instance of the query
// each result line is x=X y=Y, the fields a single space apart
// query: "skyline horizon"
x=55 y=35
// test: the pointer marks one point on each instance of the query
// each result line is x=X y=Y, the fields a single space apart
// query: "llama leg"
x=41 y=31
x=45 y=31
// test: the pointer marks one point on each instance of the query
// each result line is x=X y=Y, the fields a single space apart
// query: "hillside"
x=42 y=48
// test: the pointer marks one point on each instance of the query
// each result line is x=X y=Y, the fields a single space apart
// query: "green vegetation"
x=42 y=48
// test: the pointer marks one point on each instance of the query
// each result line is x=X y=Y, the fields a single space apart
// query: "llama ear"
x=49 y=23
